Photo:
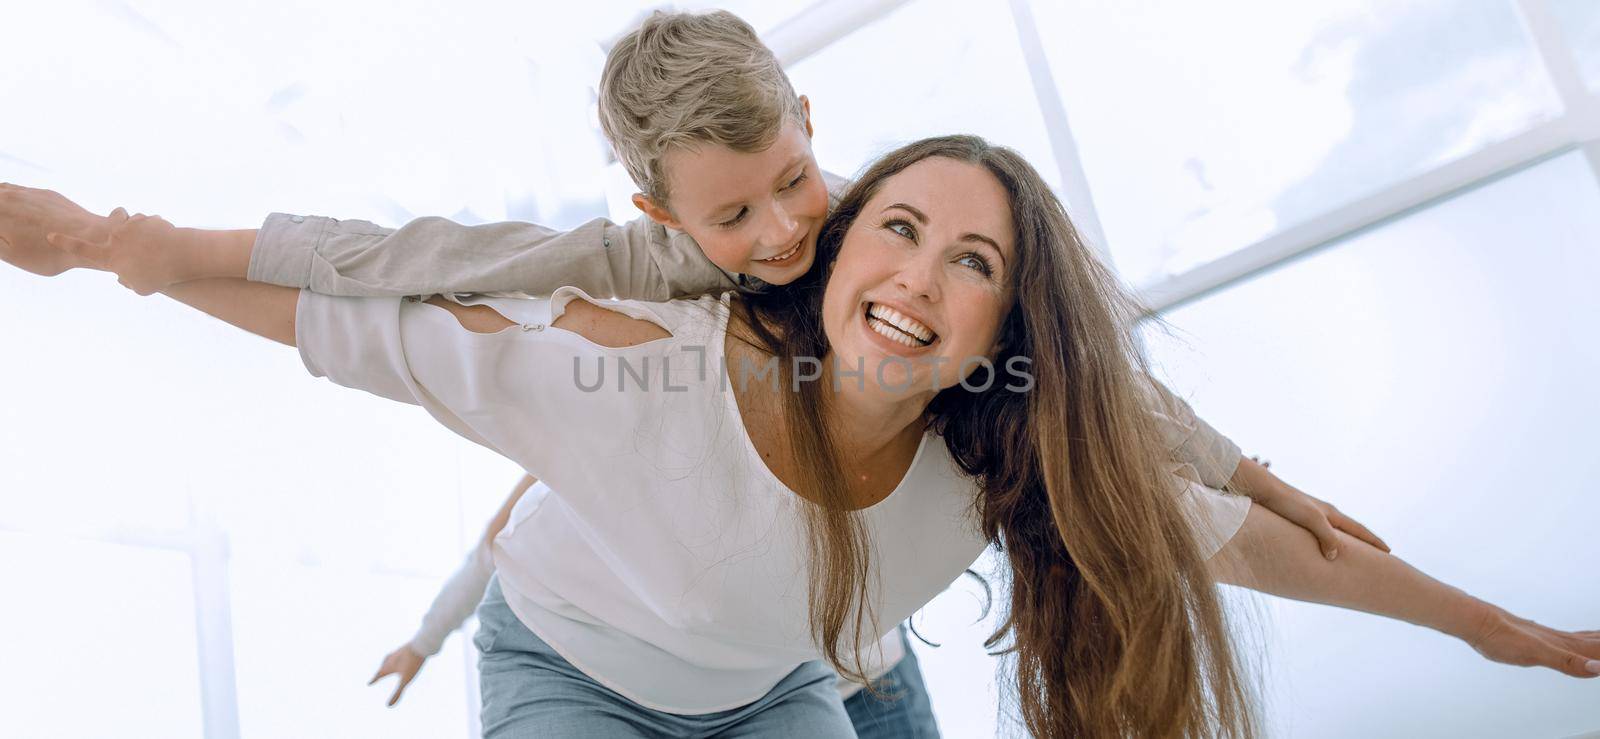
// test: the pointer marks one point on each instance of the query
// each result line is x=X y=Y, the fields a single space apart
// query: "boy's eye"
x=735 y=220
x=795 y=182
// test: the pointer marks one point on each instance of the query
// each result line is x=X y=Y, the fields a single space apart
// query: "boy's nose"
x=782 y=229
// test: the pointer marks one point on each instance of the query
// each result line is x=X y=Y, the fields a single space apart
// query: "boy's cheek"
x=731 y=255
x=817 y=199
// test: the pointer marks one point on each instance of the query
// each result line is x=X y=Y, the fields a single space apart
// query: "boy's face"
x=753 y=213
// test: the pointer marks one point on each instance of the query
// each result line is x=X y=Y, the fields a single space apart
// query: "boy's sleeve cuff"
x=285 y=247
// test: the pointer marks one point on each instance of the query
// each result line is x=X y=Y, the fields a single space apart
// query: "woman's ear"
x=655 y=211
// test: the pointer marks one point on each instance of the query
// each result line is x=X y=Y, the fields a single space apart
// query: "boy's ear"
x=805 y=106
x=655 y=211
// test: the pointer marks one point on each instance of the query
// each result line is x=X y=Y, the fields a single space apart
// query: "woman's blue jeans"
x=531 y=691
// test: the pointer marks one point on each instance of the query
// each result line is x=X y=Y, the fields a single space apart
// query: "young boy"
x=732 y=196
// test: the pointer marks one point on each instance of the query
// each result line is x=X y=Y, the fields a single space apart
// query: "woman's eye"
x=976 y=262
x=902 y=228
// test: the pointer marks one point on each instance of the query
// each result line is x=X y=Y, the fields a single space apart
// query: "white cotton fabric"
x=666 y=561
x=464 y=589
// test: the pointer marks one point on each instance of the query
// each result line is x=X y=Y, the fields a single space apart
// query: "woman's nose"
x=920 y=275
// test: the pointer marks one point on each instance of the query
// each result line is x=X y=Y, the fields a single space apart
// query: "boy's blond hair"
x=684 y=79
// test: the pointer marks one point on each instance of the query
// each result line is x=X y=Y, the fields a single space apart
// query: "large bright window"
x=1434 y=379
x=917 y=72
x=1205 y=127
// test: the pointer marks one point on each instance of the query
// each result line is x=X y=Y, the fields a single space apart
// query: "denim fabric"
x=905 y=711
x=531 y=691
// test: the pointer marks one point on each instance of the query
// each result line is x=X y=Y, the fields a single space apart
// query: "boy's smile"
x=754 y=213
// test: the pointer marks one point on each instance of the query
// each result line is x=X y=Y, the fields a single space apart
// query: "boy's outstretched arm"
x=639 y=259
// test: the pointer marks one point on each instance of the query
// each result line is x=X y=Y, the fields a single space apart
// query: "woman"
x=732 y=538
x=898 y=708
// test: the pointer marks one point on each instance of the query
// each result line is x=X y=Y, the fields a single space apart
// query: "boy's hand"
x=27 y=214
x=401 y=662
x=142 y=250
x=1310 y=513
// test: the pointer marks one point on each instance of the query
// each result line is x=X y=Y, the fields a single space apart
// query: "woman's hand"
x=402 y=662
x=1310 y=513
x=1517 y=641
x=143 y=251
x=27 y=214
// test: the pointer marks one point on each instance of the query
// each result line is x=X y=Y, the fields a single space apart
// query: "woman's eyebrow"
x=921 y=217
x=976 y=237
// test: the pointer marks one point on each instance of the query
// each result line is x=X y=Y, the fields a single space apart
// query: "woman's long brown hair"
x=1115 y=627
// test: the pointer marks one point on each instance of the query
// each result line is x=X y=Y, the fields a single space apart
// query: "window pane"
x=1580 y=22
x=96 y=640
x=1439 y=387
x=307 y=639
x=94 y=386
x=364 y=109
x=959 y=673
x=1201 y=134
x=930 y=68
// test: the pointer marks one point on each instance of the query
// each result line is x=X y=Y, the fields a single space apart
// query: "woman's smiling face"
x=921 y=284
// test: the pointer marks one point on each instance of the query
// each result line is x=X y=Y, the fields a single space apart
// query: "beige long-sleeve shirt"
x=637 y=260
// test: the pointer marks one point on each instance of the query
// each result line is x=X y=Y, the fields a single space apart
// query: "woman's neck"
x=877 y=432
x=866 y=419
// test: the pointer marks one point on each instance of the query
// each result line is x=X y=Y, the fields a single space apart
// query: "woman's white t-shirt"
x=666 y=561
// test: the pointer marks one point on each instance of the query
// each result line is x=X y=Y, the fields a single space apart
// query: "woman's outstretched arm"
x=269 y=310
x=264 y=310
x=1275 y=556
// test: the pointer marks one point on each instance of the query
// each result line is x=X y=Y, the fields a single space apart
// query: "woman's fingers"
x=1518 y=641
x=1354 y=528
x=1578 y=665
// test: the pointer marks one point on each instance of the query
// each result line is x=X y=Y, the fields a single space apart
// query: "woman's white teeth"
x=784 y=255
x=898 y=326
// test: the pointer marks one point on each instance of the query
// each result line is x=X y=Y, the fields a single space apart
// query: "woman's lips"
x=888 y=337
